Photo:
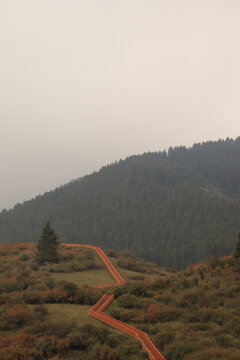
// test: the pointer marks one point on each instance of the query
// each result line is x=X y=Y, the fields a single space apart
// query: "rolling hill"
x=174 y=208
x=44 y=309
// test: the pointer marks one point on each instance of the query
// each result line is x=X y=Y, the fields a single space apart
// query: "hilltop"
x=174 y=208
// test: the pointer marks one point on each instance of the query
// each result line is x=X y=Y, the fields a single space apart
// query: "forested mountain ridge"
x=212 y=162
x=155 y=205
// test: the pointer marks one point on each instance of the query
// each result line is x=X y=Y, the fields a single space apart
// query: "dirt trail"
x=97 y=310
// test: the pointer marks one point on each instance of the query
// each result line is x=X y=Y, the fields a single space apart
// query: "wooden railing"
x=97 y=310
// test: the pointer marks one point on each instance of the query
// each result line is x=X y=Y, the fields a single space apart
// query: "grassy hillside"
x=173 y=208
x=189 y=315
x=44 y=309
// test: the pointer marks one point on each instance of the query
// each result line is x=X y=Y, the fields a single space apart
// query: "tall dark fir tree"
x=236 y=252
x=48 y=246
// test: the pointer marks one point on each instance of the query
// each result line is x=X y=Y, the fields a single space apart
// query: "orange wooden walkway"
x=97 y=310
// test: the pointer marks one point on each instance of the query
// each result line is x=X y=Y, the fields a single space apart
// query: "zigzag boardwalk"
x=97 y=310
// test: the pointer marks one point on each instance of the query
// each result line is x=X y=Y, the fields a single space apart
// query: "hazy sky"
x=86 y=82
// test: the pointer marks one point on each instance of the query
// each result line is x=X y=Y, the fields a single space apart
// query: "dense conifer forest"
x=174 y=208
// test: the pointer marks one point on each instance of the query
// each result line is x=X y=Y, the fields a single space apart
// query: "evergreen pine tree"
x=47 y=246
x=236 y=252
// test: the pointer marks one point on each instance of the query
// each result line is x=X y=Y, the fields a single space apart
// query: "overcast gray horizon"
x=84 y=83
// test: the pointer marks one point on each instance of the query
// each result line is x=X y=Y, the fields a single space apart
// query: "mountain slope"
x=212 y=162
x=161 y=206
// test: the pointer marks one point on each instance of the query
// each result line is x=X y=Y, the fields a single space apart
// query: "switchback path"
x=97 y=310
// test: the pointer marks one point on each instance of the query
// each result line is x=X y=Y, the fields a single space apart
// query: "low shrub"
x=13 y=317
x=163 y=313
x=128 y=301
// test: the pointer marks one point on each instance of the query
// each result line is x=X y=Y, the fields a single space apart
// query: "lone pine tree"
x=236 y=252
x=47 y=246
